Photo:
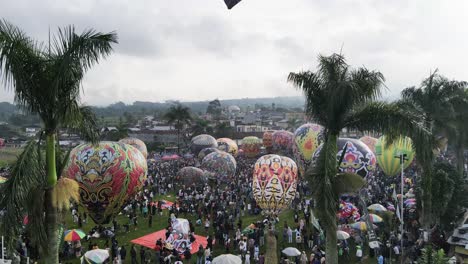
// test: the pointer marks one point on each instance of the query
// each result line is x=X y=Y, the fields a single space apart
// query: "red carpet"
x=149 y=240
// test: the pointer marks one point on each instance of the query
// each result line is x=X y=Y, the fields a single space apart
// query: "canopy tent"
x=150 y=239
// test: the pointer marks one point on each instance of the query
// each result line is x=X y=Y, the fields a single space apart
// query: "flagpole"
x=402 y=158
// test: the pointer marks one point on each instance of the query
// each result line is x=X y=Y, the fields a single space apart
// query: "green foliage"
x=214 y=108
x=443 y=187
x=431 y=256
x=338 y=97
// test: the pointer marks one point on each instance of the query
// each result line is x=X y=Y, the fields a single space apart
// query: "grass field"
x=8 y=155
x=159 y=222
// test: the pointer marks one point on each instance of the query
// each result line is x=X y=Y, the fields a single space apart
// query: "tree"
x=338 y=97
x=179 y=116
x=223 y=130
x=200 y=126
x=46 y=80
x=214 y=109
x=434 y=97
x=431 y=256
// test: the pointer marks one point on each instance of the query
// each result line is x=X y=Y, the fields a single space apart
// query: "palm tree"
x=179 y=116
x=458 y=130
x=435 y=97
x=200 y=126
x=46 y=81
x=338 y=97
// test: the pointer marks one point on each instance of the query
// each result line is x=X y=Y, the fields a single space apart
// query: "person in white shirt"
x=359 y=253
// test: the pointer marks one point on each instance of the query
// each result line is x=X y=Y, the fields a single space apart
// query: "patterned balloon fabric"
x=189 y=176
x=370 y=142
x=307 y=139
x=386 y=155
x=282 y=142
x=274 y=183
x=138 y=144
x=228 y=145
x=349 y=210
x=251 y=146
x=108 y=174
x=202 y=141
x=204 y=152
x=358 y=158
x=221 y=164
x=268 y=140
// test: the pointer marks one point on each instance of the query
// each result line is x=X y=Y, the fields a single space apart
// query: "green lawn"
x=9 y=155
x=160 y=223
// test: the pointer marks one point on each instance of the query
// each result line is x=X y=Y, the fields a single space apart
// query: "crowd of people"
x=219 y=210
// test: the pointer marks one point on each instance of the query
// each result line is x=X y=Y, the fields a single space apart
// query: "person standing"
x=200 y=254
x=123 y=253
x=133 y=255
x=150 y=220
x=359 y=253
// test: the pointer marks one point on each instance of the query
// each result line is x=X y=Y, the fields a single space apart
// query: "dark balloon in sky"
x=231 y=3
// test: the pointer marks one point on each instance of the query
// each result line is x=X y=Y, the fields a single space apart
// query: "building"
x=32 y=131
x=459 y=241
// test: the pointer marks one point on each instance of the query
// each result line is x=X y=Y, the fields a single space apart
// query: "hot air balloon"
x=358 y=158
x=268 y=140
x=307 y=138
x=138 y=144
x=370 y=142
x=386 y=155
x=108 y=174
x=202 y=141
x=228 y=145
x=192 y=176
x=221 y=164
x=251 y=146
x=204 y=152
x=274 y=183
x=282 y=142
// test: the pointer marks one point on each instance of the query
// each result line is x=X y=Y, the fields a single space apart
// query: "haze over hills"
x=199 y=107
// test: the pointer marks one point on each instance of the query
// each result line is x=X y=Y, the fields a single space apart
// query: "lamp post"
x=402 y=158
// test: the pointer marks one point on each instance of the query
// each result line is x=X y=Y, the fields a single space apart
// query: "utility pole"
x=402 y=158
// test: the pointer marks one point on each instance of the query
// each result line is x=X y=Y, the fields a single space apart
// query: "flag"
x=395 y=198
x=231 y=3
x=314 y=221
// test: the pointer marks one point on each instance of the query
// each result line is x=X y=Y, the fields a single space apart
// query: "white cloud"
x=194 y=50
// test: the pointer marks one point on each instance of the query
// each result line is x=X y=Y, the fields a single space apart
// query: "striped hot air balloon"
x=386 y=156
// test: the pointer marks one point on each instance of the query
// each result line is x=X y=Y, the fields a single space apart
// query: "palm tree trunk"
x=427 y=195
x=271 y=255
x=50 y=160
x=331 y=168
x=459 y=155
x=52 y=230
x=331 y=251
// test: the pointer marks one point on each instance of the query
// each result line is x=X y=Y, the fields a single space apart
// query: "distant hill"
x=155 y=108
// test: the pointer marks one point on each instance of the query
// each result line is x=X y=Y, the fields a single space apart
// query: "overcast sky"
x=198 y=50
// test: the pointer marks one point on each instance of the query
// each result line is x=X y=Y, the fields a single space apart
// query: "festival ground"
x=160 y=222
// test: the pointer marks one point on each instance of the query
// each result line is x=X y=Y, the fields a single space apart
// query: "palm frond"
x=26 y=176
x=394 y=121
x=347 y=183
x=83 y=120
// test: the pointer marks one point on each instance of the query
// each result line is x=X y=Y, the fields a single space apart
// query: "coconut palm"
x=46 y=80
x=179 y=116
x=338 y=97
x=436 y=97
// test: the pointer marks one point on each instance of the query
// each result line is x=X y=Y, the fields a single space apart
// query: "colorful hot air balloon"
x=228 y=145
x=268 y=140
x=221 y=164
x=274 y=183
x=251 y=146
x=282 y=142
x=202 y=141
x=386 y=155
x=358 y=158
x=307 y=138
x=192 y=176
x=108 y=174
x=138 y=144
x=204 y=152
x=370 y=142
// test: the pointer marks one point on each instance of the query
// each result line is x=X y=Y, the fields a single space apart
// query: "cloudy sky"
x=198 y=50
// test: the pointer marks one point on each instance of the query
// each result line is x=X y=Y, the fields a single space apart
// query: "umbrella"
x=359 y=226
x=375 y=218
x=291 y=252
x=96 y=256
x=377 y=208
x=73 y=235
x=342 y=235
x=174 y=156
x=227 y=259
x=3 y=179
x=167 y=157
